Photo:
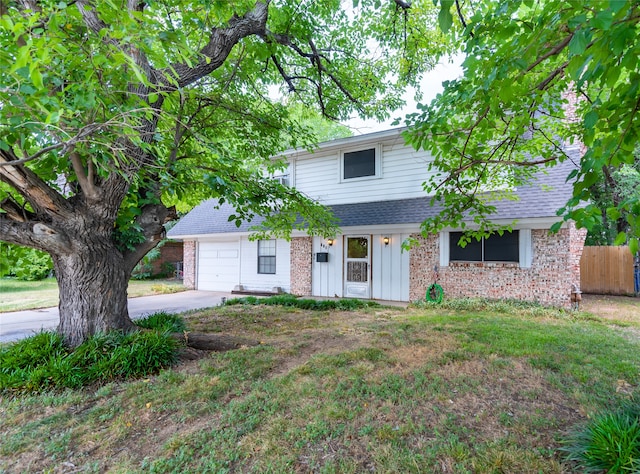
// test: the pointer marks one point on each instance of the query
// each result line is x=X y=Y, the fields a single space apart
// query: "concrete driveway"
x=20 y=324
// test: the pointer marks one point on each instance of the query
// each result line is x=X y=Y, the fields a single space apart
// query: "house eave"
x=353 y=141
x=407 y=228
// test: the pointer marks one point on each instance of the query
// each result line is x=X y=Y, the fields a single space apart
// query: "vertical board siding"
x=606 y=270
x=389 y=268
x=326 y=277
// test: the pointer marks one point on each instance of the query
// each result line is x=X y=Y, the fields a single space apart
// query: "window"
x=359 y=164
x=267 y=256
x=495 y=248
x=282 y=179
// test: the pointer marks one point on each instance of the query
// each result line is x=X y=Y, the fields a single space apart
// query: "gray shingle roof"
x=548 y=192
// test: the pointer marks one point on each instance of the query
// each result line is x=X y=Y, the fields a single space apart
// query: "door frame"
x=357 y=289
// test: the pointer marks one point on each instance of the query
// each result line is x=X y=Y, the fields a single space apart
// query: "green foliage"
x=346 y=304
x=523 y=61
x=503 y=306
x=24 y=263
x=609 y=442
x=625 y=184
x=198 y=122
x=144 y=269
x=42 y=362
x=163 y=321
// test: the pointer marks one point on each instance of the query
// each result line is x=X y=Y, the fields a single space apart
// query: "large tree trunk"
x=93 y=284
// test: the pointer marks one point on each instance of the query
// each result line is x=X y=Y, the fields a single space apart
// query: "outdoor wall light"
x=330 y=242
x=385 y=240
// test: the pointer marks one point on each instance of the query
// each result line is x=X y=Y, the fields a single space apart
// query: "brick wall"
x=301 y=260
x=189 y=263
x=555 y=267
x=170 y=253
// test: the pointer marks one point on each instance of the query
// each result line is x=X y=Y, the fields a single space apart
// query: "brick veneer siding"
x=301 y=260
x=171 y=253
x=189 y=263
x=555 y=267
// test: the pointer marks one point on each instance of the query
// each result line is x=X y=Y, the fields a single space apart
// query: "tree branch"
x=88 y=187
x=461 y=17
x=43 y=198
x=15 y=211
x=215 y=52
x=552 y=52
x=151 y=220
x=35 y=235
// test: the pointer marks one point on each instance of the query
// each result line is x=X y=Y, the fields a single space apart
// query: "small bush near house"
x=610 y=442
x=305 y=303
x=42 y=362
x=503 y=306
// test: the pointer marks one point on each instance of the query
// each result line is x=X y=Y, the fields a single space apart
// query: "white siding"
x=389 y=268
x=251 y=280
x=403 y=172
x=326 y=278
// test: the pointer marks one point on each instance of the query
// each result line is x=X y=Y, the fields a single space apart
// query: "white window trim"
x=275 y=252
x=378 y=164
x=525 y=248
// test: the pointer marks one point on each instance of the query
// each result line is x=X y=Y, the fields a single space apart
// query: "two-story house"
x=374 y=185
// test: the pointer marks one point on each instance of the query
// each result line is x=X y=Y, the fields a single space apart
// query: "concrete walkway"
x=20 y=324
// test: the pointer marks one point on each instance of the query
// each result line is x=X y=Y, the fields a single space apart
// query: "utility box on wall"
x=322 y=257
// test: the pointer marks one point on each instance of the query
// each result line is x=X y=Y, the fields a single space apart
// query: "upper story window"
x=282 y=175
x=282 y=179
x=495 y=248
x=361 y=163
x=267 y=256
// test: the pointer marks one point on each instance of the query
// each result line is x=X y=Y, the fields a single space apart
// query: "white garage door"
x=218 y=265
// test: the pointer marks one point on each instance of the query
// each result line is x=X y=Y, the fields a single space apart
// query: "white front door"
x=357 y=266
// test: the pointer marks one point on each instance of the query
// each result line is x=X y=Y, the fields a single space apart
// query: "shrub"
x=42 y=362
x=609 y=442
x=306 y=303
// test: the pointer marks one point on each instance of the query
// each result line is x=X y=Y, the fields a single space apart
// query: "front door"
x=357 y=266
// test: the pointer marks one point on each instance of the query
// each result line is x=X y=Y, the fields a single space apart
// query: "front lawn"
x=17 y=295
x=470 y=388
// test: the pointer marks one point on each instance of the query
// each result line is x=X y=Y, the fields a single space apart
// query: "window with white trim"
x=267 y=256
x=495 y=248
x=363 y=163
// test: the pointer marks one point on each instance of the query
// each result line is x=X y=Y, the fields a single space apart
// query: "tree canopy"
x=538 y=75
x=115 y=111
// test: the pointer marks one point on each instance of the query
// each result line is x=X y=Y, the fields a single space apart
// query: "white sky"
x=431 y=85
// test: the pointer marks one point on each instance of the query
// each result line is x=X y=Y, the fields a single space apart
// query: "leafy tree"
x=322 y=128
x=24 y=263
x=538 y=74
x=626 y=181
x=113 y=112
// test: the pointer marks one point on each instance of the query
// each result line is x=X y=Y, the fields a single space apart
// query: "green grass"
x=16 y=295
x=472 y=390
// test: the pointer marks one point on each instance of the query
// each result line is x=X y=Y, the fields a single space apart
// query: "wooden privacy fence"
x=606 y=270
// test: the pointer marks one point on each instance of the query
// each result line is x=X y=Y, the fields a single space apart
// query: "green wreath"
x=435 y=293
